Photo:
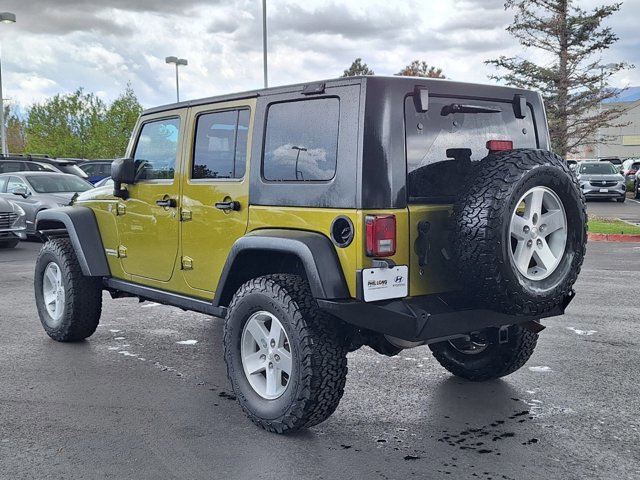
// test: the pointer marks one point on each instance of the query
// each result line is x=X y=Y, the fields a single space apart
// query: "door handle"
x=227 y=206
x=167 y=202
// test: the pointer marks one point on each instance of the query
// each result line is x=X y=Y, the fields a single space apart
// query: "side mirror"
x=22 y=191
x=123 y=170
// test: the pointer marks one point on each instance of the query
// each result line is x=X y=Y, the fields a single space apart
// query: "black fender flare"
x=80 y=225
x=315 y=252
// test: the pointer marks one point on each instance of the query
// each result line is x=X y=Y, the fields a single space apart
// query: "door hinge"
x=187 y=263
x=122 y=251
x=121 y=210
x=185 y=215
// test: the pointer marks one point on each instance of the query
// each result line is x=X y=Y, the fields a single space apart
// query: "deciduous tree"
x=419 y=68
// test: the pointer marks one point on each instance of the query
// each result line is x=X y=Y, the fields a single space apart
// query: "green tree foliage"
x=358 y=68
x=571 y=77
x=419 y=68
x=81 y=125
x=15 y=129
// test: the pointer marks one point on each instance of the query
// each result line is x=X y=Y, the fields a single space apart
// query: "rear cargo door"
x=444 y=146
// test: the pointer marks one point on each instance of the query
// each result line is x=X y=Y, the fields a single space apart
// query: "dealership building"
x=623 y=141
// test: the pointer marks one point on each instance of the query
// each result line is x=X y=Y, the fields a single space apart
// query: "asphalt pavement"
x=146 y=397
x=628 y=210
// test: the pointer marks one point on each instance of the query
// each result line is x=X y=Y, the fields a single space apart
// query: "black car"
x=61 y=165
x=8 y=165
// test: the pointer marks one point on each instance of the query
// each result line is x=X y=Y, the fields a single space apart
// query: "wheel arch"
x=80 y=226
x=308 y=254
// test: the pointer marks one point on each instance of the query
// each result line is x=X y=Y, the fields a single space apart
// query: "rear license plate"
x=385 y=283
x=604 y=190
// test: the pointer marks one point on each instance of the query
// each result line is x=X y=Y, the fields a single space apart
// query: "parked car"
x=629 y=169
x=37 y=191
x=96 y=169
x=8 y=165
x=636 y=189
x=572 y=164
x=106 y=181
x=63 y=165
x=601 y=180
x=12 y=223
x=614 y=160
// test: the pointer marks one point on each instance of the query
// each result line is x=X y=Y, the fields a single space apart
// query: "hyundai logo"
x=399 y=279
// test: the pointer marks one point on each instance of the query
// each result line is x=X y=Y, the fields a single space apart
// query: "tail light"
x=499 y=145
x=632 y=172
x=381 y=235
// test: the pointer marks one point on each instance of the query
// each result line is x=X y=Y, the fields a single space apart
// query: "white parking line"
x=632 y=200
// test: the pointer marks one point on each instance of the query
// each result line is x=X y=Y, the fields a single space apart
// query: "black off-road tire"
x=482 y=239
x=9 y=243
x=82 y=296
x=495 y=361
x=319 y=363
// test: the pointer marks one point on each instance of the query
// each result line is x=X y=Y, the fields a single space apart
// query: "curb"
x=609 y=237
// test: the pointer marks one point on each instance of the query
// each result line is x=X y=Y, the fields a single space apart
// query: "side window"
x=156 y=150
x=301 y=141
x=89 y=169
x=221 y=145
x=3 y=183
x=15 y=183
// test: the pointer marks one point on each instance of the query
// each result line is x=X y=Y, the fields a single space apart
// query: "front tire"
x=478 y=359
x=285 y=360
x=69 y=304
x=622 y=199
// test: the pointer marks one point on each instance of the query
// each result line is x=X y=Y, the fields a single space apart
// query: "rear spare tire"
x=520 y=232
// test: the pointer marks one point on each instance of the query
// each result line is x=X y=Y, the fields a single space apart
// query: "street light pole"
x=608 y=66
x=264 y=41
x=177 y=61
x=5 y=17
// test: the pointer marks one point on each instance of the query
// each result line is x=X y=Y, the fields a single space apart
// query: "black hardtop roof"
x=438 y=85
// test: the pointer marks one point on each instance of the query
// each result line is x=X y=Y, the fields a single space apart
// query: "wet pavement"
x=146 y=397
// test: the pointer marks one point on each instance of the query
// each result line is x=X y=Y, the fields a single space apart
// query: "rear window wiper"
x=458 y=108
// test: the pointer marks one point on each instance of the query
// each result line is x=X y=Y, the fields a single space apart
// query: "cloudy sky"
x=57 y=46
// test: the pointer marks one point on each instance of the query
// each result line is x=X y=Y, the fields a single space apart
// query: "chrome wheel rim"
x=266 y=355
x=53 y=293
x=538 y=233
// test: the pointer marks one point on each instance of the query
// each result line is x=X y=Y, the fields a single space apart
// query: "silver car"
x=601 y=180
x=13 y=224
x=36 y=191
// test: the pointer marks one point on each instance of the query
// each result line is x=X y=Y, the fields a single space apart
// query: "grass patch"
x=612 y=226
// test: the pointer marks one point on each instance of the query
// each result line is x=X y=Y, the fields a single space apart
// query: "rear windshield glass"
x=57 y=183
x=601 y=168
x=72 y=168
x=444 y=142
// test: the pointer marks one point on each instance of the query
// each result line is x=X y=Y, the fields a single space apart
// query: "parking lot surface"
x=146 y=397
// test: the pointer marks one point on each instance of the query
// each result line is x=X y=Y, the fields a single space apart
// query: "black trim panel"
x=315 y=251
x=166 y=298
x=82 y=228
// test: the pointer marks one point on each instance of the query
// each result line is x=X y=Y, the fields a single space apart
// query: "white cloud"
x=56 y=47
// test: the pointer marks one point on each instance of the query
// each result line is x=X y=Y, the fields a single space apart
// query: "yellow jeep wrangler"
x=321 y=217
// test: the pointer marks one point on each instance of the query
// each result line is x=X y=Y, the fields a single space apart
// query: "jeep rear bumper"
x=426 y=318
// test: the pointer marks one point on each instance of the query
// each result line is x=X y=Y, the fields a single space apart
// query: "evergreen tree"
x=358 y=68
x=572 y=78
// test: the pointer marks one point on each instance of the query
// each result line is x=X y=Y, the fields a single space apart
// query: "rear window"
x=444 y=142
